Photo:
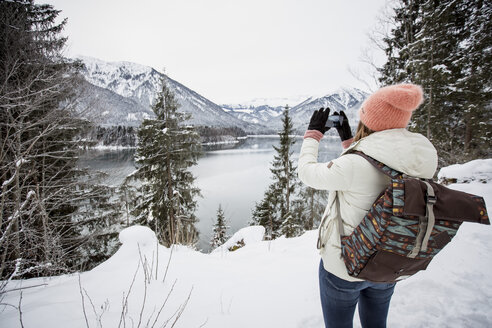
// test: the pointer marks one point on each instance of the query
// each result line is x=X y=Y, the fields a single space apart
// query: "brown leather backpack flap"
x=386 y=266
x=450 y=204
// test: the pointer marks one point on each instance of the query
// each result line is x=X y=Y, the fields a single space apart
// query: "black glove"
x=343 y=129
x=318 y=120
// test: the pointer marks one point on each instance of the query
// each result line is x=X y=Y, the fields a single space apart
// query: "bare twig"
x=150 y=318
x=183 y=307
x=20 y=310
x=122 y=311
x=152 y=265
x=157 y=258
x=22 y=288
x=125 y=302
x=143 y=303
x=164 y=304
x=90 y=300
x=83 y=303
x=106 y=308
x=151 y=321
x=170 y=318
x=203 y=324
x=143 y=260
x=7 y=304
x=168 y=262
x=103 y=309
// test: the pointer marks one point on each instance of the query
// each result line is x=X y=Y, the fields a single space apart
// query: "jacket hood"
x=402 y=150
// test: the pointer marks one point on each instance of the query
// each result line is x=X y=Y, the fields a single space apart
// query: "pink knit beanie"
x=391 y=107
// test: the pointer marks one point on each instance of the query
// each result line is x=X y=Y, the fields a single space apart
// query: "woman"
x=354 y=185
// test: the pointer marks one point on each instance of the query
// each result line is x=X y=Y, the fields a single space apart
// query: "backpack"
x=408 y=224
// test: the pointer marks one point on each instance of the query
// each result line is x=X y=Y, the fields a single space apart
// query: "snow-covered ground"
x=263 y=284
x=477 y=170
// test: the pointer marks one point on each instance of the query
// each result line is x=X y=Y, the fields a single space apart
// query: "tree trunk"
x=171 y=219
x=127 y=207
x=468 y=132
x=431 y=84
x=44 y=218
x=287 y=193
x=17 y=194
x=468 y=118
x=41 y=198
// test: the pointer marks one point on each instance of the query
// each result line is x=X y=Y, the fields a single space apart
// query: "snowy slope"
x=140 y=83
x=107 y=108
x=262 y=285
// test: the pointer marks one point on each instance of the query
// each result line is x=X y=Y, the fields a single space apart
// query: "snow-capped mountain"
x=137 y=86
x=254 y=114
x=346 y=99
x=271 y=102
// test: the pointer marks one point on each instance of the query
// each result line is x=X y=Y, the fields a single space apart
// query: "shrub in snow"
x=243 y=237
x=237 y=246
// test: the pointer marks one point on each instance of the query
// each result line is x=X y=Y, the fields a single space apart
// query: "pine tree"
x=44 y=193
x=445 y=47
x=126 y=193
x=275 y=210
x=436 y=68
x=474 y=57
x=220 y=230
x=284 y=173
x=291 y=226
x=167 y=149
x=99 y=221
x=406 y=26
x=265 y=214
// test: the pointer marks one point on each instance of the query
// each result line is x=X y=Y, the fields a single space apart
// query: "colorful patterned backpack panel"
x=408 y=224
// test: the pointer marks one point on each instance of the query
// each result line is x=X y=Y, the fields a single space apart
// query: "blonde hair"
x=362 y=131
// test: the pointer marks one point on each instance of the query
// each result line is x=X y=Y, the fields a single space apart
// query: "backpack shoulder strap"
x=383 y=168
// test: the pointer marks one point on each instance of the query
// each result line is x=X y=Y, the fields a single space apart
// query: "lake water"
x=234 y=175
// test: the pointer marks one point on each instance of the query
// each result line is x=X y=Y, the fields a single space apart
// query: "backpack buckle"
x=431 y=199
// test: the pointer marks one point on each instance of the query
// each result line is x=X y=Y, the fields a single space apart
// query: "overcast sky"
x=229 y=51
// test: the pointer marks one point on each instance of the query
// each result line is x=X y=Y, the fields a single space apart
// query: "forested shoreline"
x=126 y=136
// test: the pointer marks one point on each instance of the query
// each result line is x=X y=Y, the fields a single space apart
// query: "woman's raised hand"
x=343 y=129
x=318 y=120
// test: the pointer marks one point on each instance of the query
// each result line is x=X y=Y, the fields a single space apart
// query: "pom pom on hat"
x=391 y=107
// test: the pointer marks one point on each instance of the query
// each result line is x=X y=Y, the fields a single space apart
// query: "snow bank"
x=138 y=235
x=478 y=170
x=245 y=236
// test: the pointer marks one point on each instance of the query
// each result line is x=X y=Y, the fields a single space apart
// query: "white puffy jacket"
x=357 y=183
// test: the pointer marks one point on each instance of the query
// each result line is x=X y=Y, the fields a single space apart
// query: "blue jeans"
x=339 y=298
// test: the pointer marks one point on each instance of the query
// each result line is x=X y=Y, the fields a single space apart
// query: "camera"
x=334 y=121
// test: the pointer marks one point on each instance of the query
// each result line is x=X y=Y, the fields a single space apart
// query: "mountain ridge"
x=140 y=84
x=121 y=93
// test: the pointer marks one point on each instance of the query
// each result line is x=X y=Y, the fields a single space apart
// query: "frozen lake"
x=235 y=176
